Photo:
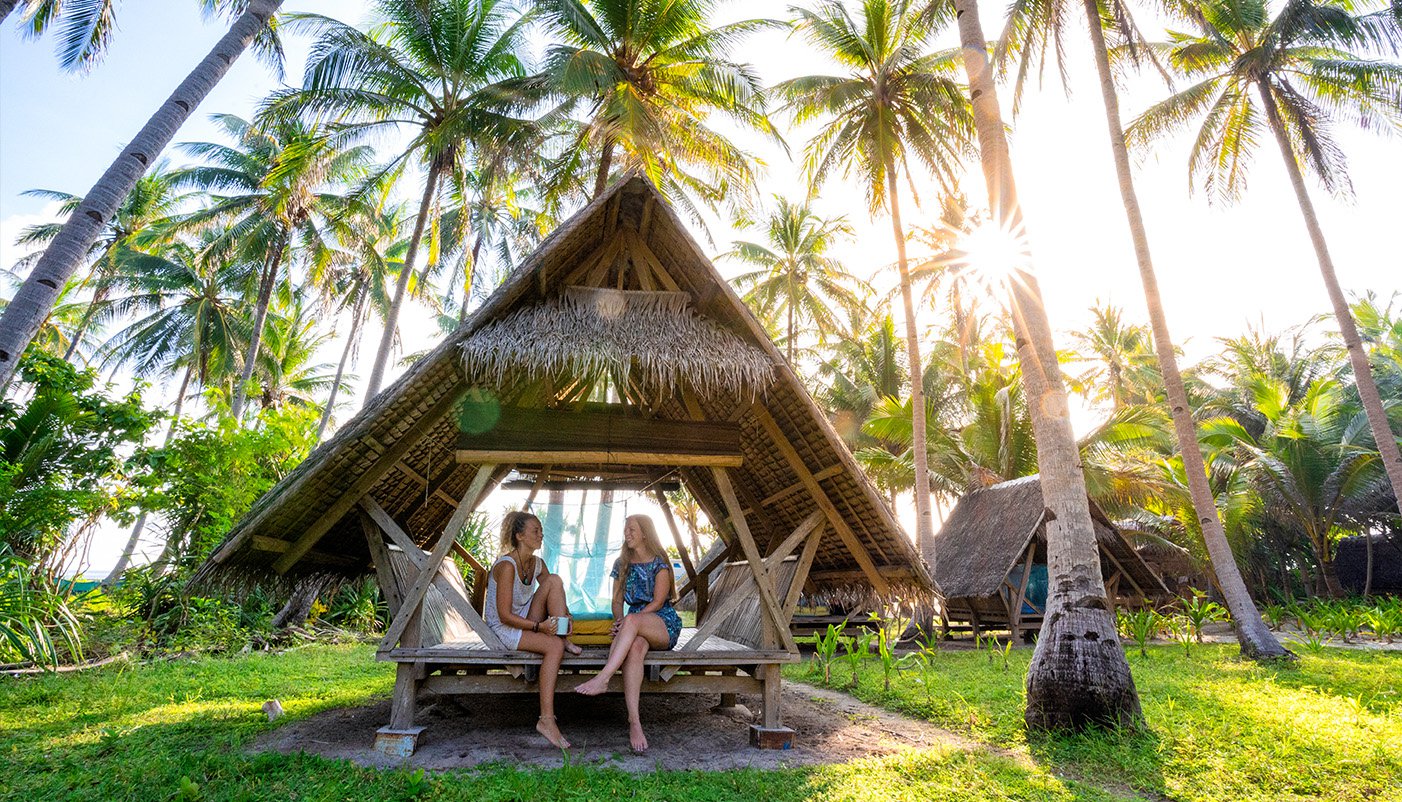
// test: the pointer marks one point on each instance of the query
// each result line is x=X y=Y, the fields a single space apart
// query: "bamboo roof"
x=619 y=293
x=989 y=531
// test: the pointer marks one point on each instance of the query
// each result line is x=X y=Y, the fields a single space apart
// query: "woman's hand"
x=548 y=626
x=615 y=626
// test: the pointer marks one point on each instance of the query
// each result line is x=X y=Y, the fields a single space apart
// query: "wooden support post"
x=820 y=497
x=540 y=480
x=771 y=732
x=384 y=569
x=768 y=600
x=401 y=737
x=413 y=600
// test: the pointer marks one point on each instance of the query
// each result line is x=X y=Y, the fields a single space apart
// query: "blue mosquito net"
x=578 y=547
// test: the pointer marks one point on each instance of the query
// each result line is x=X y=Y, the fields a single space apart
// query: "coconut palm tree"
x=1121 y=362
x=359 y=281
x=1079 y=675
x=35 y=299
x=1296 y=75
x=1034 y=32
x=287 y=371
x=271 y=193
x=649 y=75
x=154 y=198
x=797 y=278
x=1309 y=461
x=187 y=314
x=896 y=107
x=445 y=71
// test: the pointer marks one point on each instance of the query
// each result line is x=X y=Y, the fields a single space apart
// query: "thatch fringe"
x=652 y=338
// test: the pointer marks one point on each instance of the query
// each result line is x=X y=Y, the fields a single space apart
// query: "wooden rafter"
x=382 y=465
x=820 y=497
x=676 y=534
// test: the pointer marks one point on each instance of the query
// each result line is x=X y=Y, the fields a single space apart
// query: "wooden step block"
x=771 y=737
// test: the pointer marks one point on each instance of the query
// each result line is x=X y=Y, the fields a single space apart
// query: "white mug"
x=562 y=625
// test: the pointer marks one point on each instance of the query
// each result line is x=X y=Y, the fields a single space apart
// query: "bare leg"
x=549 y=600
x=552 y=650
x=648 y=626
x=632 y=693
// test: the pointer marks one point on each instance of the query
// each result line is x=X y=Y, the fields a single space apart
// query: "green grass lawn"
x=1219 y=727
x=179 y=730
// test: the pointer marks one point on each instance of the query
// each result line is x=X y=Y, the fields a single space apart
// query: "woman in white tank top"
x=524 y=601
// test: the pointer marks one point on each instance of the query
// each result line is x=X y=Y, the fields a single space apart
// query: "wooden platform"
x=472 y=651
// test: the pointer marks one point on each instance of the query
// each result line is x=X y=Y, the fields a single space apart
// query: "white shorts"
x=510 y=636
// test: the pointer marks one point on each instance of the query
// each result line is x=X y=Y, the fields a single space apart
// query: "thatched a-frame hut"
x=615 y=355
x=991 y=560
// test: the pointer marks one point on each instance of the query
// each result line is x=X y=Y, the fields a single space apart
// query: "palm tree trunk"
x=605 y=162
x=1079 y=674
x=924 y=523
x=130 y=549
x=356 y=315
x=1362 y=372
x=6 y=6
x=35 y=299
x=377 y=373
x=1252 y=633
x=260 y=317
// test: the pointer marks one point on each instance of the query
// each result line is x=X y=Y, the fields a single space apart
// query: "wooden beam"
x=800 y=576
x=392 y=529
x=502 y=684
x=414 y=598
x=602 y=457
x=637 y=485
x=706 y=569
x=714 y=618
x=768 y=601
x=347 y=501
x=610 y=428
x=844 y=574
x=676 y=535
x=384 y=569
x=276 y=546
x=430 y=488
x=826 y=473
x=820 y=497
x=640 y=250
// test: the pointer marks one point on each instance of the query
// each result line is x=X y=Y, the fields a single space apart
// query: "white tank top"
x=521 y=594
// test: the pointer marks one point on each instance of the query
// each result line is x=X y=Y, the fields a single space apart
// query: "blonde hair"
x=652 y=543
x=512 y=525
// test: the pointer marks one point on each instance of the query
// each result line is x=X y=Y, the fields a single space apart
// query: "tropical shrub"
x=61 y=455
x=1198 y=611
x=1140 y=626
x=37 y=624
x=825 y=648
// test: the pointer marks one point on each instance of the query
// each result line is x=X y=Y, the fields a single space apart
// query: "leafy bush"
x=1199 y=611
x=825 y=648
x=1140 y=626
x=36 y=622
x=358 y=606
x=60 y=455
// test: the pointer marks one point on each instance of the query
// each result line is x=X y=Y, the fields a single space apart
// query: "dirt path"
x=682 y=730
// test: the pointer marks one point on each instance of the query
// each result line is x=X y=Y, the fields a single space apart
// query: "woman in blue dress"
x=644 y=582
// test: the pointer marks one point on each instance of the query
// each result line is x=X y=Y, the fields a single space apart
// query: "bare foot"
x=636 y=738
x=546 y=726
x=593 y=687
x=573 y=648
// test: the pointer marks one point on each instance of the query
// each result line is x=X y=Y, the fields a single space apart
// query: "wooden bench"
x=441 y=643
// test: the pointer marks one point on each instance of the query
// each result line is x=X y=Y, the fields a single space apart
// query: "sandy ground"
x=683 y=732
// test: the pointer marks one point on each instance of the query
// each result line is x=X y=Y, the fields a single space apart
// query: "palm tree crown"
x=649 y=74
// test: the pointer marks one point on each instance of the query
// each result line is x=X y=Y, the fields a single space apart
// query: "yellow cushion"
x=592 y=632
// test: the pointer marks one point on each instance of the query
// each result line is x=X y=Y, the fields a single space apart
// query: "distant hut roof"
x=675 y=329
x=989 y=530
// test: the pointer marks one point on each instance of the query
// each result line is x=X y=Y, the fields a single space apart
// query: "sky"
x=1221 y=269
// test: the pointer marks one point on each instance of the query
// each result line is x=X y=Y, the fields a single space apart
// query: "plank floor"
x=714 y=651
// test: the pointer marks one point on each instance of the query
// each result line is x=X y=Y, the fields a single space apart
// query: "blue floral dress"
x=638 y=590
